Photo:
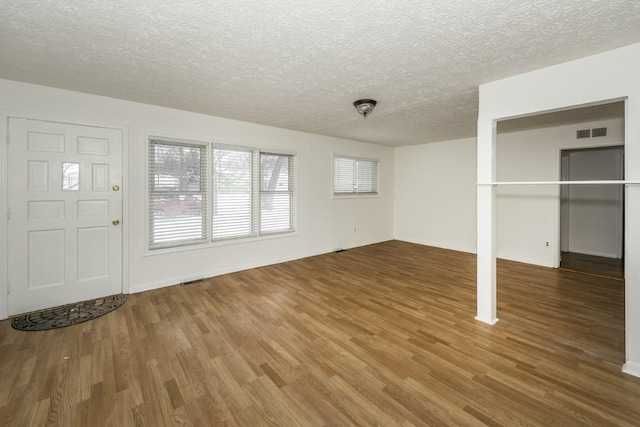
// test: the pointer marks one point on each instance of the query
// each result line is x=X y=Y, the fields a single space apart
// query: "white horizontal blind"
x=277 y=193
x=177 y=193
x=366 y=177
x=234 y=188
x=354 y=176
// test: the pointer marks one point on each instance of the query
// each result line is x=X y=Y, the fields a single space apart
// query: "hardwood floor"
x=380 y=335
x=611 y=267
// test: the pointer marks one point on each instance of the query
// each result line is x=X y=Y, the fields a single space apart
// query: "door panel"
x=63 y=244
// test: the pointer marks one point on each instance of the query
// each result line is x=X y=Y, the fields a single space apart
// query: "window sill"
x=355 y=196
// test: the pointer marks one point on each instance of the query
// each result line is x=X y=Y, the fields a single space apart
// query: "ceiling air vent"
x=598 y=132
x=584 y=133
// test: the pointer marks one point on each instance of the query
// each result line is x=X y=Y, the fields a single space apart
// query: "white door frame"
x=4 y=250
x=564 y=212
x=606 y=143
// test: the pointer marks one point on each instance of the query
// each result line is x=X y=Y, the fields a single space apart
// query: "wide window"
x=354 y=176
x=177 y=193
x=247 y=193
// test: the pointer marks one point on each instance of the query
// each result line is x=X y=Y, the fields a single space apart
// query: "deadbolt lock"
x=115 y=188
x=115 y=222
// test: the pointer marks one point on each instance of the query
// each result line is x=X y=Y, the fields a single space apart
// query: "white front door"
x=65 y=208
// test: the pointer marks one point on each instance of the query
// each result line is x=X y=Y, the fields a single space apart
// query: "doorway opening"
x=592 y=215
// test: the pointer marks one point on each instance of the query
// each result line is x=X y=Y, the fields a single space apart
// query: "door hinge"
x=8 y=214
x=8 y=288
x=8 y=139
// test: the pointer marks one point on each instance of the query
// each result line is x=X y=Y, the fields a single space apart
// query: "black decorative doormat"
x=67 y=315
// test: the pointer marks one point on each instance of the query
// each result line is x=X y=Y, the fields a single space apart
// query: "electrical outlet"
x=547 y=244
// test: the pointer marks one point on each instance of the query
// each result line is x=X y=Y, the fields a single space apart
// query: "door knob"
x=115 y=188
x=115 y=222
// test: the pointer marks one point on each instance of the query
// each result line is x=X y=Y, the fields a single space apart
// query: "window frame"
x=151 y=250
x=205 y=194
x=291 y=190
x=254 y=189
x=354 y=194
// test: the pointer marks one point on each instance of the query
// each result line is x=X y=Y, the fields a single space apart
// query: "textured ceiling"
x=299 y=64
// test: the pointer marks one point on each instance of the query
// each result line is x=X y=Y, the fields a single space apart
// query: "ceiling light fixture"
x=365 y=106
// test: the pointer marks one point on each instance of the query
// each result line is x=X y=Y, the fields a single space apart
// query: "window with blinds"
x=277 y=185
x=354 y=176
x=234 y=188
x=177 y=193
x=248 y=194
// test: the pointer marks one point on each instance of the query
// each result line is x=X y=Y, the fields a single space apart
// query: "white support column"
x=486 y=244
x=632 y=282
x=632 y=237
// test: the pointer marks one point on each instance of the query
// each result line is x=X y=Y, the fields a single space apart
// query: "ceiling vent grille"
x=584 y=133
x=598 y=132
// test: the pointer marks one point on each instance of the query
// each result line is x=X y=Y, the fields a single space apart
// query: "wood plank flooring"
x=611 y=267
x=381 y=335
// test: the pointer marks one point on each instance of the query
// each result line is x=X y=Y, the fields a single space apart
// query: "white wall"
x=325 y=224
x=435 y=194
x=529 y=216
x=594 y=212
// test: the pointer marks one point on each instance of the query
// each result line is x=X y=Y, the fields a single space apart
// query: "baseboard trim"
x=631 y=368
x=488 y=322
x=598 y=254
x=436 y=245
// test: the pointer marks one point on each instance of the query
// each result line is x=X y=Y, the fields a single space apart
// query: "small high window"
x=354 y=176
